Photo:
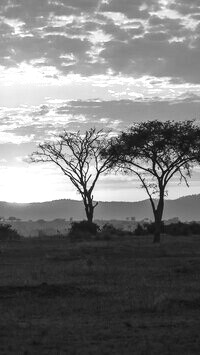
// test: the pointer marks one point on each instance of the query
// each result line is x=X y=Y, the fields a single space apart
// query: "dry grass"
x=120 y=296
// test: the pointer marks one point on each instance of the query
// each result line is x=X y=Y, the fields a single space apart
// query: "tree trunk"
x=90 y=214
x=89 y=208
x=158 y=218
x=157 y=231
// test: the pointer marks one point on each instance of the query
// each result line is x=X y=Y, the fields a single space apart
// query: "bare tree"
x=78 y=157
x=156 y=151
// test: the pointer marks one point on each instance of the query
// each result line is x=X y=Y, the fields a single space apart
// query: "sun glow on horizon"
x=29 y=184
x=39 y=184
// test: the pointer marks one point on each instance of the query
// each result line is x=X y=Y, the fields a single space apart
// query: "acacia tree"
x=156 y=151
x=78 y=157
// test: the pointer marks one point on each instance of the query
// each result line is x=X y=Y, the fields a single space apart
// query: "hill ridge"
x=186 y=208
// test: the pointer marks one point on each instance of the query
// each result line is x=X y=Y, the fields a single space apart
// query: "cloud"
x=132 y=9
x=185 y=7
x=9 y=151
x=157 y=54
x=32 y=125
x=128 y=111
x=156 y=38
x=35 y=124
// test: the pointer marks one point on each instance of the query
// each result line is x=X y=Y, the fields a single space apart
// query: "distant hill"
x=186 y=208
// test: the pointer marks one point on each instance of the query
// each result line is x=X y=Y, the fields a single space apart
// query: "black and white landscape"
x=99 y=177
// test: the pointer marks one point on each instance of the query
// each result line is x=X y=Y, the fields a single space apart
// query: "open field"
x=121 y=296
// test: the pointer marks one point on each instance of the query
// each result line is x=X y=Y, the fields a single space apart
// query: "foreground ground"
x=122 y=296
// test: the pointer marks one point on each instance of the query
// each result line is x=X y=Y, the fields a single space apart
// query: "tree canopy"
x=156 y=151
x=78 y=156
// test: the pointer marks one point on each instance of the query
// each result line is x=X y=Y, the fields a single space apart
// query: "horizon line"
x=100 y=201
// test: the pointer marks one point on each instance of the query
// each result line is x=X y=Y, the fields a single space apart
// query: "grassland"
x=121 y=296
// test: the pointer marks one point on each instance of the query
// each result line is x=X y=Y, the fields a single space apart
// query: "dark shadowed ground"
x=122 y=296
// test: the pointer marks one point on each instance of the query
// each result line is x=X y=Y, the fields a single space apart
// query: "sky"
x=76 y=64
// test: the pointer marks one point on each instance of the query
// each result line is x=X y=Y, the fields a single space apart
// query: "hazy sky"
x=74 y=64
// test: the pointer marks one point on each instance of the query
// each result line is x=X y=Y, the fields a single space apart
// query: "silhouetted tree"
x=78 y=157
x=155 y=151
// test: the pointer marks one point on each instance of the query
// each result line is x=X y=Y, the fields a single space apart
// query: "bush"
x=195 y=228
x=140 y=230
x=147 y=228
x=178 y=229
x=109 y=228
x=7 y=233
x=108 y=231
x=151 y=228
x=83 y=229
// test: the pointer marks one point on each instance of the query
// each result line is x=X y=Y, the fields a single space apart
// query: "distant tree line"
x=154 y=151
x=175 y=229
